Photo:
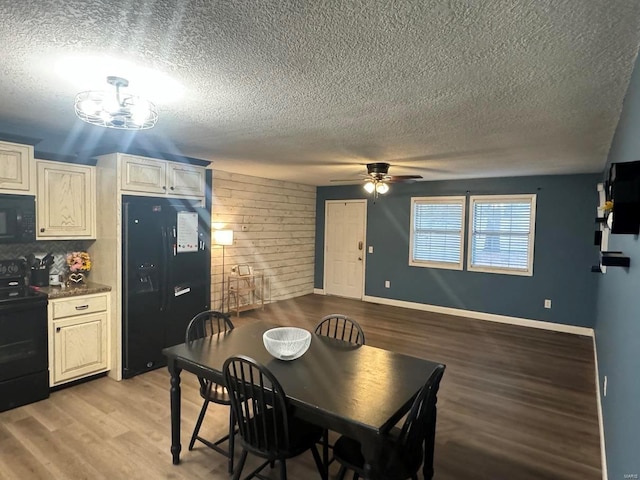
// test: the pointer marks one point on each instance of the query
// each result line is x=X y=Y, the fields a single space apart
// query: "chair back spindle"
x=207 y=324
x=341 y=327
x=260 y=405
x=423 y=410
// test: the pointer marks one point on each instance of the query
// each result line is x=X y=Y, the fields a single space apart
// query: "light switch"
x=370 y=248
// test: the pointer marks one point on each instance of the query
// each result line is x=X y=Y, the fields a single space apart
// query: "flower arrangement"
x=78 y=262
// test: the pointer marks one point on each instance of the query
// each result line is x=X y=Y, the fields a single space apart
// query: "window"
x=436 y=232
x=501 y=234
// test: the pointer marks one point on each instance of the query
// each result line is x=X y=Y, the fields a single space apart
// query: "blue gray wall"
x=564 y=250
x=618 y=318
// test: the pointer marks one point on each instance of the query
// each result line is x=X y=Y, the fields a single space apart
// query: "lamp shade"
x=382 y=188
x=223 y=237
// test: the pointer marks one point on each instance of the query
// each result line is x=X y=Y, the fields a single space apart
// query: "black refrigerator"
x=166 y=276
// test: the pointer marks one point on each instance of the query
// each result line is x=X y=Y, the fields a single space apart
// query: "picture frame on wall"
x=244 y=270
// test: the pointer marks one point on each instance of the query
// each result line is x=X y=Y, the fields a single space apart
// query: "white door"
x=344 y=248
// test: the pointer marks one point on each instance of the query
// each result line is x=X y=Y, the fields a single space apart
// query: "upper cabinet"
x=16 y=169
x=160 y=177
x=66 y=201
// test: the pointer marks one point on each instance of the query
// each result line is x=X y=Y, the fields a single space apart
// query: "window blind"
x=501 y=234
x=437 y=230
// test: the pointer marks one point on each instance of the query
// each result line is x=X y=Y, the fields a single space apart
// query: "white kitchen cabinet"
x=79 y=337
x=66 y=201
x=185 y=180
x=16 y=168
x=161 y=178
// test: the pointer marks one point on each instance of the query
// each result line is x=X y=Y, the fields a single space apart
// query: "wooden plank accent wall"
x=273 y=224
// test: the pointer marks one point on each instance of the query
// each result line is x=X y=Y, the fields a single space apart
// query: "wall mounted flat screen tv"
x=623 y=189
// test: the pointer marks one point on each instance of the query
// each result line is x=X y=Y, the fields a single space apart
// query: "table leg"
x=325 y=454
x=174 y=370
x=371 y=449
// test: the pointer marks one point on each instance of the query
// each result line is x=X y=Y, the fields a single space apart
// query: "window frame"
x=437 y=200
x=517 y=198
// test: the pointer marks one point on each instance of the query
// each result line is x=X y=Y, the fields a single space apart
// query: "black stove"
x=24 y=362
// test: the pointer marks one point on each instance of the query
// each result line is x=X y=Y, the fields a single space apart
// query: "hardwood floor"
x=515 y=403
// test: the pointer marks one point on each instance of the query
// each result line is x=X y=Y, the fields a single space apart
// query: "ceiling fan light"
x=382 y=188
x=369 y=187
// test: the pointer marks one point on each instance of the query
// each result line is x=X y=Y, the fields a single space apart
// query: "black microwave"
x=17 y=218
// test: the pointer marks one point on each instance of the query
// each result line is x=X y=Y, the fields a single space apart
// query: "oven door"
x=23 y=338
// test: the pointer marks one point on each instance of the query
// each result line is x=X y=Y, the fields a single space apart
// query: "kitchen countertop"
x=73 y=291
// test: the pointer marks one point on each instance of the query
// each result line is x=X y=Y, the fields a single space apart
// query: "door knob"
x=360 y=258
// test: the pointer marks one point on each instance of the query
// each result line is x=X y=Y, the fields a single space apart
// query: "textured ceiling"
x=309 y=91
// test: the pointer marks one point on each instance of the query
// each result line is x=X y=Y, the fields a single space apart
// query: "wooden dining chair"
x=209 y=324
x=265 y=424
x=402 y=450
x=341 y=327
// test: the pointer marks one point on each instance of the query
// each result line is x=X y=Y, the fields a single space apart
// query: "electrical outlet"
x=370 y=249
x=547 y=303
x=604 y=387
x=387 y=284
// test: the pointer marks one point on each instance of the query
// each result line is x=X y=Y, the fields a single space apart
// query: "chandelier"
x=114 y=109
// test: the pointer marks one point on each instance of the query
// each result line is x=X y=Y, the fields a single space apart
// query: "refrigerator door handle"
x=164 y=290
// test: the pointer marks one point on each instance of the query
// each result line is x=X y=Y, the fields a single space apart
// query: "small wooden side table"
x=245 y=292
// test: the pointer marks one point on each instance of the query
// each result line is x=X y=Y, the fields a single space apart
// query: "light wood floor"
x=515 y=403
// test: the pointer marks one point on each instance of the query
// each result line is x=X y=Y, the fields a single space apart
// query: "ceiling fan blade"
x=346 y=180
x=402 y=178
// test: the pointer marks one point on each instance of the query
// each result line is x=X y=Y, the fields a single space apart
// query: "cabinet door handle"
x=164 y=187
x=42 y=230
x=82 y=307
x=172 y=188
x=57 y=329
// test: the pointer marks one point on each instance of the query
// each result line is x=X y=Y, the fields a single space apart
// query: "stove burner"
x=12 y=268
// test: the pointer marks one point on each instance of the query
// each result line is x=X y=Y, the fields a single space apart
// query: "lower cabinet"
x=78 y=340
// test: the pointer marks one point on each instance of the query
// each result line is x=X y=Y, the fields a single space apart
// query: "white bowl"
x=286 y=343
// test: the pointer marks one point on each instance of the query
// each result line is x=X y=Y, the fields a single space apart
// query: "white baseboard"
x=603 y=451
x=318 y=291
x=491 y=317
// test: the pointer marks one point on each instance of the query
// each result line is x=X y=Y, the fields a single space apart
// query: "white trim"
x=603 y=450
x=364 y=242
x=319 y=291
x=491 y=317
x=462 y=200
x=530 y=197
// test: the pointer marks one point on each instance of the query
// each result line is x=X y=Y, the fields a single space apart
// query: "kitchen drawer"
x=79 y=305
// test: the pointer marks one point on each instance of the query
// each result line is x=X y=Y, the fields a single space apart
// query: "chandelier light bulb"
x=89 y=107
x=140 y=112
x=369 y=187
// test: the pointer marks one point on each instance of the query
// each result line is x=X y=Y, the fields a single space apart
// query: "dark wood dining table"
x=359 y=391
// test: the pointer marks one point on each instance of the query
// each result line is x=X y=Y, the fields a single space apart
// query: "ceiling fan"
x=377 y=179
